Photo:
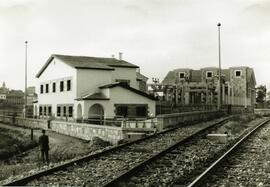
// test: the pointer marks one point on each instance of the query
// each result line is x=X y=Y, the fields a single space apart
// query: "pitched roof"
x=85 y=62
x=141 y=76
x=94 y=96
x=170 y=78
x=251 y=75
x=226 y=73
x=196 y=76
x=128 y=88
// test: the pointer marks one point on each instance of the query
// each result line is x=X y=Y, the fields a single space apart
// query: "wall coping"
x=30 y=119
x=185 y=113
x=87 y=125
x=265 y=109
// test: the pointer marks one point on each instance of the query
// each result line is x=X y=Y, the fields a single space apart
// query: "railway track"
x=244 y=164
x=97 y=169
x=173 y=166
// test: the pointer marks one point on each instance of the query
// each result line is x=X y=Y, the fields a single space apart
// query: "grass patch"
x=59 y=151
x=13 y=142
x=237 y=124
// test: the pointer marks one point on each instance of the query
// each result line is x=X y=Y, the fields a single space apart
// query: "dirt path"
x=62 y=148
x=54 y=137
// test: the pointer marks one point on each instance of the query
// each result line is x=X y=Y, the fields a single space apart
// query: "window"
x=123 y=81
x=41 y=89
x=53 y=87
x=47 y=88
x=122 y=111
x=61 y=86
x=182 y=75
x=40 y=111
x=49 y=110
x=68 y=85
x=58 y=111
x=70 y=111
x=238 y=73
x=209 y=74
x=64 y=111
x=141 y=111
x=45 y=111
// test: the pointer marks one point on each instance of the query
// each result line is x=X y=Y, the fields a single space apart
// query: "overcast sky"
x=157 y=35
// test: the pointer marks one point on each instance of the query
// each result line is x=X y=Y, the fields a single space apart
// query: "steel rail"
x=141 y=165
x=90 y=156
x=26 y=179
x=201 y=178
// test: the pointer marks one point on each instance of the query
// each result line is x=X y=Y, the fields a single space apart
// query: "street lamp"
x=25 y=83
x=156 y=81
x=219 y=69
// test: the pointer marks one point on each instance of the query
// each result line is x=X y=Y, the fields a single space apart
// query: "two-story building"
x=193 y=87
x=80 y=88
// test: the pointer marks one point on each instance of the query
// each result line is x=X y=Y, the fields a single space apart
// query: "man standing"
x=44 y=147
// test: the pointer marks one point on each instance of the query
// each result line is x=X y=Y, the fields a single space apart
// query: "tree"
x=260 y=94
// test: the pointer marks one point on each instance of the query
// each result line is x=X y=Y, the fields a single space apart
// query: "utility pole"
x=219 y=69
x=156 y=82
x=25 y=83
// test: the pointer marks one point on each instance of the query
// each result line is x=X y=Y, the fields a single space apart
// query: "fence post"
x=32 y=134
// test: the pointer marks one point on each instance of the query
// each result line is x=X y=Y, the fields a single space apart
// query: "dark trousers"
x=45 y=156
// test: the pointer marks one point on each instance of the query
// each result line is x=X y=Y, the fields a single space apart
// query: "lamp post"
x=25 y=83
x=156 y=81
x=219 y=69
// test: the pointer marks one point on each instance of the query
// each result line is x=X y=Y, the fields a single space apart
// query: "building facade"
x=81 y=88
x=195 y=87
x=11 y=101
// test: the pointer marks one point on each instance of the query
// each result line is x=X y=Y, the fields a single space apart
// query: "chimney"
x=120 y=55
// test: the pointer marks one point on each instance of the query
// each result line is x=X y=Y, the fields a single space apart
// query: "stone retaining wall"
x=178 y=119
x=262 y=111
x=88 y=131
x=79 y=130
x=111 y=133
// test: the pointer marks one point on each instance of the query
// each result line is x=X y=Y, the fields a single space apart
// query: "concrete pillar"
x=229 y=95
x=182 y=96
x=245 y=101
x=187 y=98
x=192 y=97
x=201 y=97
x=223 y=94
x=207 y=95
x=232 y=97
x=176 y=95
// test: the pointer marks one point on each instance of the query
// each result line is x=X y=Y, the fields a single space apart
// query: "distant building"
x=15 y=97
x=12 y=101
x=79 y=87
x=3 y=92
x=31 y=99
x=141 y=81
x=195 y=87
x=3 y=96
x=31 y=95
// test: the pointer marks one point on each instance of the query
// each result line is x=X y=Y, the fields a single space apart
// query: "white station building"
x=80 y=88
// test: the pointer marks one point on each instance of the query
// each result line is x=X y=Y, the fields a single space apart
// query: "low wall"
x=112 y=133
x=178 y=119
x=262 y=111
x=237 y=109
x=88 y=131
x=31 y=123
x=79 y=130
